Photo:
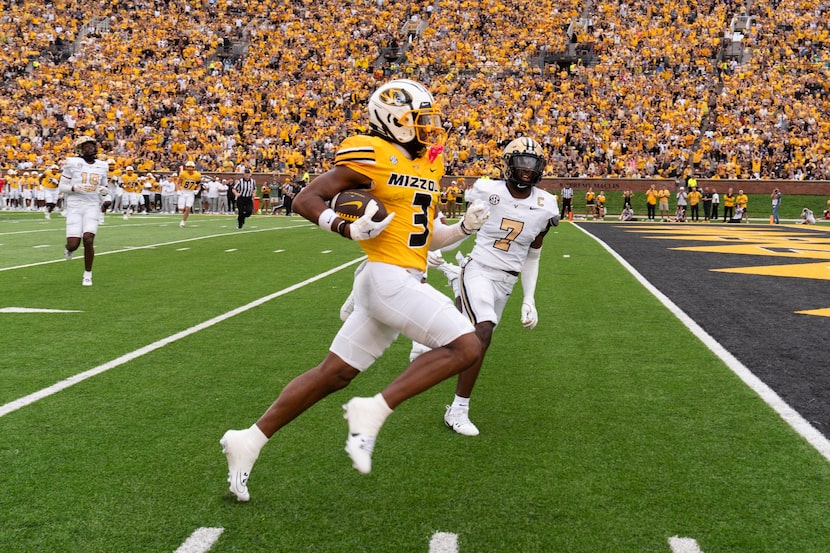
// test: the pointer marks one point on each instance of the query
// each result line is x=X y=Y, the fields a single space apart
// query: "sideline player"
x=83 y=182
x=400 y=161
x=49 y=184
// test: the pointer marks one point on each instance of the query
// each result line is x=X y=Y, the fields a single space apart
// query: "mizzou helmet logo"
x=396 y=97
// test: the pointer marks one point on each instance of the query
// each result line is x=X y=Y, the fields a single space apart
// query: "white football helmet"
x=404 y=111
x=524 y=162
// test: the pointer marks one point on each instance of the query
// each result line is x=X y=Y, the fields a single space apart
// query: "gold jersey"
x=409 y=188
x=129 y=182
x=50 y=180
x=190 y=180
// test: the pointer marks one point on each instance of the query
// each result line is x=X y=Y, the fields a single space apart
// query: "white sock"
x=385 y=409
x=87 y=274
x=256 y=438
x=461 y=402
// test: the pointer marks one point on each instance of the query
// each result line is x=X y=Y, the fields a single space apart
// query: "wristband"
x=464 y=229
x=326 y=218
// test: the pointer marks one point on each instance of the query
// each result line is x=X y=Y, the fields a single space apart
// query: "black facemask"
x=89 y=154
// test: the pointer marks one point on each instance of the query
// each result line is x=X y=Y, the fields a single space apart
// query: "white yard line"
x=790 y=415
x=443 y=542
x=200 y=541
x=75 y=379
x=151 y=246
x=36 y=310
x=684 y=545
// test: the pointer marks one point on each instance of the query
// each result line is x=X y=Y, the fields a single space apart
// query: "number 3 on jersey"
x=420 y=219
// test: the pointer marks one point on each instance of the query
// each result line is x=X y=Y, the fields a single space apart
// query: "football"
x=351 y=205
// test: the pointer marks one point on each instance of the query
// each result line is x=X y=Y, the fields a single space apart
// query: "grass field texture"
x=593 y=438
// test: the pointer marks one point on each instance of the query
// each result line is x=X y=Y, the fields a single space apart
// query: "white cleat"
x=47 y=215
x=101 y=219
x=360 y=447
x=365 y=415
x=240 y=462
x=67 y=255
x=181 y=224
x=458 y=420
x=87 y=281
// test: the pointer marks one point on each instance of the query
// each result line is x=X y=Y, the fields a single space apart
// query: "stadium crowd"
x=274 y=85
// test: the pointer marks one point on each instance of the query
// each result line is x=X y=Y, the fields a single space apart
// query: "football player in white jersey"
x=507 y=245
x=83 y=182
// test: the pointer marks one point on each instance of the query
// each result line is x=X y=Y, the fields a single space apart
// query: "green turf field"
x=593 y=439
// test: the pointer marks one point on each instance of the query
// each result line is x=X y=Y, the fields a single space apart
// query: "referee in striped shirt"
x=244 y=190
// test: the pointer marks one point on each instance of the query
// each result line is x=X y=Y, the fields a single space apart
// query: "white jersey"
x=168 y=187
x=504 y=240
x=86 y=178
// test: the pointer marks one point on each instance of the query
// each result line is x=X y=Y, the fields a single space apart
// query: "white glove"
x=103 y=190
x=435 y=259
x=529 y=315
x=475 y=217
x=365 y=228
x=452 y=272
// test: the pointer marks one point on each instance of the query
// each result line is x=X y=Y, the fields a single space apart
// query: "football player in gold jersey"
x=190 y=182
x=400 y=163
x=49 y=183
x=130 y=185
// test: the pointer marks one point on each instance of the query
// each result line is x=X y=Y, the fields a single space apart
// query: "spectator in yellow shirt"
x=741 y=201
x=651 y=202
x=452 y=197
x=728 y=205
x=693 y=197
x=663 y=196
x=590 y=202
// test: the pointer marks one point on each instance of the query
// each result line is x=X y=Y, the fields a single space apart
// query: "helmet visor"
x=88 y=149
x=526 y=169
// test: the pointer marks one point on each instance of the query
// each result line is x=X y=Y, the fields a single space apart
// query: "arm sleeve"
x=530 y=273
x=65 y=184
x=446 y=236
